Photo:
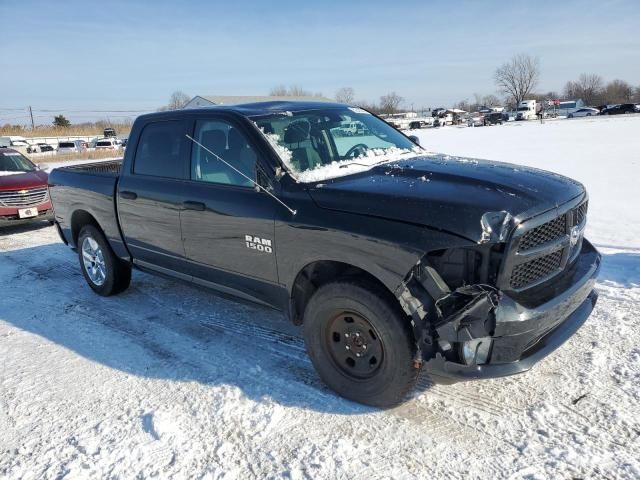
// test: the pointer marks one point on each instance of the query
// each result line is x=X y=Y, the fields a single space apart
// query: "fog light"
x=476 y=351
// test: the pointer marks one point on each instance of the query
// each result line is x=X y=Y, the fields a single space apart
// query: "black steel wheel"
x=354 y=345
x=361 y=343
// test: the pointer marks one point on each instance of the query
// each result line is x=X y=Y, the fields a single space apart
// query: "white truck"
x=526 y=110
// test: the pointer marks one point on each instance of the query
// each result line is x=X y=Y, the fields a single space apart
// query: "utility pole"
x=33 y=127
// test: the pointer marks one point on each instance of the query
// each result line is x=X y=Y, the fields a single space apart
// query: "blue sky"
x=74 y=56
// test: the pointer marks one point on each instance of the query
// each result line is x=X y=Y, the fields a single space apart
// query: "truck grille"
x=545 y=233
x=532 y=271
x=24 y=198
x=545 y=250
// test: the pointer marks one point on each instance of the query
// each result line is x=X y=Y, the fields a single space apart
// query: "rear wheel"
x=360 y=343
x=105 y=273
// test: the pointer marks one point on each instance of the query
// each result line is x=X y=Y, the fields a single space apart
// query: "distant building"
x=210 y=100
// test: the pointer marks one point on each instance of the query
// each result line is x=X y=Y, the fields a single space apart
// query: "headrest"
x=214 y=140
x=297 y=131
x=236 y=141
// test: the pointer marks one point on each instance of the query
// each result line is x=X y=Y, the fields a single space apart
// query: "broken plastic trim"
x=465 y=314
x=495 y=226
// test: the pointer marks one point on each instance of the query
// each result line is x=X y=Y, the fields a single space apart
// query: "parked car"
x=451 y=275
x=494 y=118
x=13 y=141
x=24 y=195
x=110 y=143
x=584 y=112
x=109 y=132
x=619 y=109
x=72 y=146
x=40 y=148
x=475 y=119
x=421 y=123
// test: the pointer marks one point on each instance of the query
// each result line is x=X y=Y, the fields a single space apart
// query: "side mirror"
x=261 y=179
x=414 y=139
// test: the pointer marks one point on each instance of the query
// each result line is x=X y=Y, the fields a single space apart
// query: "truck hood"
x=447 y=193
x=19 y=181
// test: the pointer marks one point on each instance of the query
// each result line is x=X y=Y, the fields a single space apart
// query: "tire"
x=106 y=274
x=571 y=115
x=360 y=319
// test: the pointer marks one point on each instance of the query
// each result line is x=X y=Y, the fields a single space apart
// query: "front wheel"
x=105 y=273
x=360 y=343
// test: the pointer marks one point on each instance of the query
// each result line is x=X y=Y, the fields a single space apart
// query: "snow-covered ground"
x=171 y=381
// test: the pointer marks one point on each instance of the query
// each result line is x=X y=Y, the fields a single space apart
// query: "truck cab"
x=526 y=110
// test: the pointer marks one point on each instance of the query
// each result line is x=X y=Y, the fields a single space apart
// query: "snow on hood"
x=373 y=157
x=5 y=173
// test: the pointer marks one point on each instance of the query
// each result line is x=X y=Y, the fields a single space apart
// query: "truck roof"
x=253 y=109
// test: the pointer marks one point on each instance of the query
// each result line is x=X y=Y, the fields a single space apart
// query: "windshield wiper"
x=365 y=164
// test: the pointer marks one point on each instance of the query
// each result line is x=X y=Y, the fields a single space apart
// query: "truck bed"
x=87 y=189
x=110 y=167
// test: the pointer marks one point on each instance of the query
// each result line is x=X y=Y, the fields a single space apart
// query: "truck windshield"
x=333 y=142
x=13 y=162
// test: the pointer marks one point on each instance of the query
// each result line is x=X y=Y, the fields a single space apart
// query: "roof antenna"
x=258 y=186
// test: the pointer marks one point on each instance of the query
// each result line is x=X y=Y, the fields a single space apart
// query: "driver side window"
x=226 y=142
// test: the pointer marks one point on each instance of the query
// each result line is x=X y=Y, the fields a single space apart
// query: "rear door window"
x=161 y=150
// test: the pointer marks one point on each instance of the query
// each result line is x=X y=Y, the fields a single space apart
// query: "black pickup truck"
x=392 y=259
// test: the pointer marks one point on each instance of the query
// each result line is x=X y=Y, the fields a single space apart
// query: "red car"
x=24 y=195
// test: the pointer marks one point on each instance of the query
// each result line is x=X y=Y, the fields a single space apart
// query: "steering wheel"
x=357 y=150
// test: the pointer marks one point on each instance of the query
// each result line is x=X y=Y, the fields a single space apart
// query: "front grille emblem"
x=575 y=236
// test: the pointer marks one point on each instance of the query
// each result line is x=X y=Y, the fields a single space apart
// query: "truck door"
x=150 y=195
x=227 y=226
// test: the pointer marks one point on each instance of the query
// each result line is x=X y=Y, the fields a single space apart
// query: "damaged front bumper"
x=525 y=335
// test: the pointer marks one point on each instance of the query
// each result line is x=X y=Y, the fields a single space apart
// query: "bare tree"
x=371 y=107
x=491 y=101
x=390 y=102
x=178 y=100
x=588 y=87
x=291 y=91
x=618 y=91
x=279 y=91
x=345 y=95
x=297 y=91
x=518 y=77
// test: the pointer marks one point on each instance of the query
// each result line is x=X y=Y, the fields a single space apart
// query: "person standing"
x=540 y=111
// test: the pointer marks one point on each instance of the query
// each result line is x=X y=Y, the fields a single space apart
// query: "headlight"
x=476 y=351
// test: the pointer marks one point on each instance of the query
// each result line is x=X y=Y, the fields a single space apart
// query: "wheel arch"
x=79 y=219
x=321 y=272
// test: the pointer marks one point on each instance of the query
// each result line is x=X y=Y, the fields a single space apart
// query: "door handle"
x=128 y=195
x=197 y=206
